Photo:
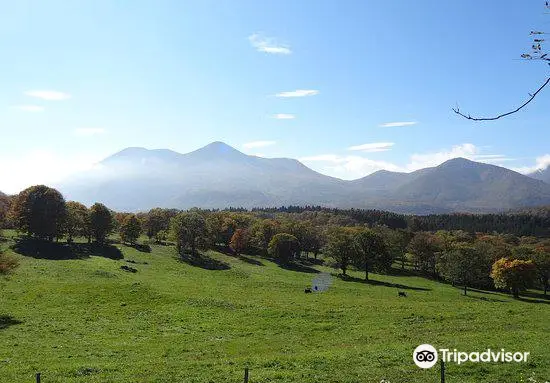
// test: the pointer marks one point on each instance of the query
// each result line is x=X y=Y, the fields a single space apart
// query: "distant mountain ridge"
x=543 y=175
x=219 y=176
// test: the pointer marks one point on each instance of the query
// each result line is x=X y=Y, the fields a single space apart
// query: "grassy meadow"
x=83 y=319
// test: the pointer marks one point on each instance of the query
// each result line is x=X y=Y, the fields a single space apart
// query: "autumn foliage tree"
x=514 y=275
x=239 y=241
x=76 y=223
x=7 y=263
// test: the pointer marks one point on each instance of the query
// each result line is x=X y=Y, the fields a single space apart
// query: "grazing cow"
x=401 y=294
x=307 y=290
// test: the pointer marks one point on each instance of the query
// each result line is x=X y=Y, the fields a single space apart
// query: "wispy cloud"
x=268 y=45
x=373 y=147
x=541 y=163
x=258 y=144
x=48 y=95
x=298 y=93
x=87 y=132
x=397 y=124
x=29 y=108
x=284 y=116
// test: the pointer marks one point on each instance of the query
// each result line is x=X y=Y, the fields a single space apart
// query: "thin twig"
x=468 y=117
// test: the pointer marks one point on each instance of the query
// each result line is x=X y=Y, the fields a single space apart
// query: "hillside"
x=171 y=321
x=464 y=185
x=219 y=176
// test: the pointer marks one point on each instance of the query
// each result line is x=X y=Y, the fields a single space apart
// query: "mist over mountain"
x=219 y=176
x=543 y=175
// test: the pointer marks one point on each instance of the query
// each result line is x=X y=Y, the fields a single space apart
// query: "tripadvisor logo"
x=426 y=356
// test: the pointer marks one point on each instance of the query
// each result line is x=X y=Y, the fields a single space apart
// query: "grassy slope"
x=86 y=320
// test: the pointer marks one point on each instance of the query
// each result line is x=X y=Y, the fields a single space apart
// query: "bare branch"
x=468 y=117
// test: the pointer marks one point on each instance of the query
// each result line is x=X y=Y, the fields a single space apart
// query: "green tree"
x=284 y=247
x=370 y=252
x=130 y=229
x=40 y=211
x=512 y=274
x=77 y=220
x=262 y=232
x=155 y=220
x=396 y=242
x=189 y=231
x=161 y=236
x=423 y=247
x=541 y=259
x=101 y=222
x=463 y=264
x=340 y=247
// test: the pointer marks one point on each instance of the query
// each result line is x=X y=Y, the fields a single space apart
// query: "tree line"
x=366 y=240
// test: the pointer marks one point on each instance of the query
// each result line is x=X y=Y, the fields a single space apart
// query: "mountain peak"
x=216 y=149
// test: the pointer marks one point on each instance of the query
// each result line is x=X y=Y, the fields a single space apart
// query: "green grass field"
x=86 y=320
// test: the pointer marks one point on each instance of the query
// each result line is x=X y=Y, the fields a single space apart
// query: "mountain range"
x=219 y=176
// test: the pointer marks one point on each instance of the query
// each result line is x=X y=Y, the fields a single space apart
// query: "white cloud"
x=420 y=161
x=373 y=147
x=48 y=95
x=541 y=163
x=268 y=45
x=258 y=144
x=29 y=108
x=284 y=116
x=356 y=166
x=348 y=167
x=87 y=132
x=298 y=93
x=397 y=124
x=40 y=167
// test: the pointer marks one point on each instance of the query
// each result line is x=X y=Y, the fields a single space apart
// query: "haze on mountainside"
x=219 y=176
x=277 y=87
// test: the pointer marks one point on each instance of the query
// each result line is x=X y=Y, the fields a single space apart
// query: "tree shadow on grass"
x=533 y=300
x=7 y=321
x=299 y=267
x=252 y=261
x=313 y=261
x=373 y=282
x=536 y=295
x=139 y=247
x=204 y=262
x=40 y=249
x=229 y=252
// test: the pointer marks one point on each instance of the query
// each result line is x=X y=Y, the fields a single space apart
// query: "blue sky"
x=348 y=87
